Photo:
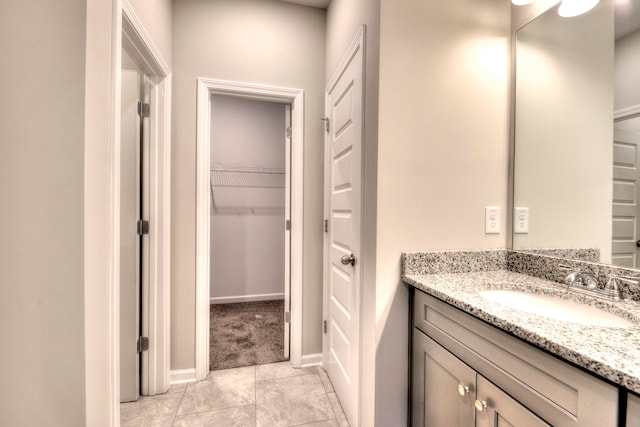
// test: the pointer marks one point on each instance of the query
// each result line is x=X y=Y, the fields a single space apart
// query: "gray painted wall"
x=249 y=41
x=41 y=224
x=442 y=154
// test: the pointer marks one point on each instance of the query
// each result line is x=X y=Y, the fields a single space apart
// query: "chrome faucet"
x=587 y=283
x=582 y=278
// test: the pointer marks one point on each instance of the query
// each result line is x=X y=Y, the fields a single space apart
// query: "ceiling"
x=321 y=4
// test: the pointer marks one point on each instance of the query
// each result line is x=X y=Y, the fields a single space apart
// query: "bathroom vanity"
x=476 y=362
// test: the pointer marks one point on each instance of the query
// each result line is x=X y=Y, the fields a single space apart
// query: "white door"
x=344 y=139
x=287 y=230
x=134 y=248
x=129 y=240
x=626 y=193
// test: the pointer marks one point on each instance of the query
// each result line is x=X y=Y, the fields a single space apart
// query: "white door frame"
x=128 y=29
x=207 y=87
x=357 y=44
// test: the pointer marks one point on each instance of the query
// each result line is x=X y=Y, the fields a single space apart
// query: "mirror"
x=576 y=173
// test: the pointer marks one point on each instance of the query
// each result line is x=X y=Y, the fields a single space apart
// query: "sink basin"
x=556 y=308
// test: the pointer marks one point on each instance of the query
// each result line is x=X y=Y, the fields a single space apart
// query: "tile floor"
x=270 y=395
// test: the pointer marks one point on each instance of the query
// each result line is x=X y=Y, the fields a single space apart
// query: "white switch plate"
x=521 y=220
x=492 y=220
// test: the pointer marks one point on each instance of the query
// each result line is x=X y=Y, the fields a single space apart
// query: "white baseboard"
x=311 y=360
x=245 y=298
x=180 y=376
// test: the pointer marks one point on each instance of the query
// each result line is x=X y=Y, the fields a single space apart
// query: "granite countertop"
x=610 y=352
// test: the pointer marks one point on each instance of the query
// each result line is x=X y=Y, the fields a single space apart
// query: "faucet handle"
x=612 y=285
x=566 y=267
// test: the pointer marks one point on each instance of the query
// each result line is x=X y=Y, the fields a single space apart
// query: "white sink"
x=556 y=308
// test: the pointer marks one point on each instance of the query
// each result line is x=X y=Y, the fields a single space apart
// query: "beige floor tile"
x=280 y=370
x=242 y=416
x=291 y=401
x=156 y=410
x=337 y=410
x=221 y=389
x=326 y=382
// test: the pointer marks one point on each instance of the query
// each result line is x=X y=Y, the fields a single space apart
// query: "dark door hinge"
x=143 y=344
x=287 y=225
x=326 y=225
x=144 y=110
x=287 y=317
x=324 y=326
x=326 y=124
x=142 y=227
x=289 y=132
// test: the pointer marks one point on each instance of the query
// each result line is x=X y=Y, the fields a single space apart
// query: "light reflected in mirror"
x=575 y=168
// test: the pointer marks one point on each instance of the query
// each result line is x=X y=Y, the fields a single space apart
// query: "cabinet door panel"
x=437 y=375
x=501 y=409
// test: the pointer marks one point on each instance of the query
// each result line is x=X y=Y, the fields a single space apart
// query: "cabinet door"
x=443 y=387
x=633 y=410
x=495 y=408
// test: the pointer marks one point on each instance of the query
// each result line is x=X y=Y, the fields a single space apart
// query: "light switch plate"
x=521 y=220
x=492 y=220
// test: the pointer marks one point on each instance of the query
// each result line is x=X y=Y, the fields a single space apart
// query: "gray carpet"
x=246 y=334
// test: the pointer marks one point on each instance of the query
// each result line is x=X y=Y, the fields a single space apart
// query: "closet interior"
x=248 y=199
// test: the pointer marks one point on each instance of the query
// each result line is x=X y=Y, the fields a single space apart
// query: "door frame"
x=205 y=88
x=155 y=369
x=357 y=44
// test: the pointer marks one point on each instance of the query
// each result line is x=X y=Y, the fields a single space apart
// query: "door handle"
x=348 y=259
x=638 y=243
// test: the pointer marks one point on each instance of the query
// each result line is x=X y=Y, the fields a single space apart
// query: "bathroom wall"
x=41 y=184
x=442 y=153
x=247 y=231
x=253 y=41
x=627 y=70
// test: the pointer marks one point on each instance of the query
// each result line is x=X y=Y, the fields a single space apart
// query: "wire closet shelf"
x=247 y=190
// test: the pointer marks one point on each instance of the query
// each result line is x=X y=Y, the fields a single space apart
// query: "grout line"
x=175 y=414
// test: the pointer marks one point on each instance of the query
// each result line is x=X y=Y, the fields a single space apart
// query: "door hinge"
x=143 y=227
x=289 y=132
x=143 y=344
x=326 y=225
x=324 y=326
x=287 y=317
x=326 y=124
x=287 y=225
x=144 y=110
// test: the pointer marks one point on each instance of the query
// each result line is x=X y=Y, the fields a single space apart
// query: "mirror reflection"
x=577 y=129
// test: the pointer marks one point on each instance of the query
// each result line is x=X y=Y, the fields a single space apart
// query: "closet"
x=248 y=238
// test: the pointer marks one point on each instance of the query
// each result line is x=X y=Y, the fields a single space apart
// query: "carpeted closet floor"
x=246 y=334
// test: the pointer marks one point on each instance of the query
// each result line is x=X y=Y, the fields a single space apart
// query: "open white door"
x=626 y=193
x=344 y=139
x=287 y=230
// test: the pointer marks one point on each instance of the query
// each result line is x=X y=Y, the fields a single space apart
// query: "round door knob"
x=463 y=390
x=348 y=259
x=480 y=405
x=638 y=243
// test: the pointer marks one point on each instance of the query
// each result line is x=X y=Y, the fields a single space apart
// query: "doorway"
x=250 y=241
x=295 y=98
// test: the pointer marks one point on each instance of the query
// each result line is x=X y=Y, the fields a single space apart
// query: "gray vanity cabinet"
x=445 y=392
x=466 y=372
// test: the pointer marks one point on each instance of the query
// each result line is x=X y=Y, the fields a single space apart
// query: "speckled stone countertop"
x=612 y=353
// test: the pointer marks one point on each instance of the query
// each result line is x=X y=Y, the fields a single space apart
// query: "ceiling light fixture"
x=570 y=8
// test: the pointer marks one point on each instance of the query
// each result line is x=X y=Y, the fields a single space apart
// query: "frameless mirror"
x=577 y=130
